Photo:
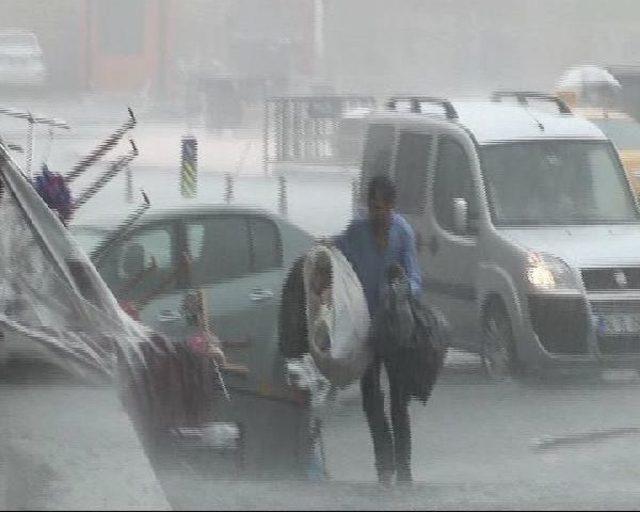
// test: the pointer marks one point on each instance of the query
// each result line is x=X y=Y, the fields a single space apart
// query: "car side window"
x=453 y=179
x=144 y=263
x=219 y=248
x=265 y=245
x=412 y=161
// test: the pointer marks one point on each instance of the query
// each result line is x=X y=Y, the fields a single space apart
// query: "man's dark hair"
x=381 y=186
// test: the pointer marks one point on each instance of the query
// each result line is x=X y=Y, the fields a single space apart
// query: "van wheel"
x=498 y=354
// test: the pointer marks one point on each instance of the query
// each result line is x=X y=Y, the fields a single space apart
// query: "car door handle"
x=167 y=315
x=259 y=294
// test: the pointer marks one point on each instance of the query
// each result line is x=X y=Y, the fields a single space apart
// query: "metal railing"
x=303 y=129
x=33 y=119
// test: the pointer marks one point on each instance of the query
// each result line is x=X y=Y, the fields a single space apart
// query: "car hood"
x=582 y=246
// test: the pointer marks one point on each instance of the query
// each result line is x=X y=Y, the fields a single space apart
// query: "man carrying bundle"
x=375 y=245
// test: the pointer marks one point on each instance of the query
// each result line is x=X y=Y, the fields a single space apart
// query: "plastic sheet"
x=53 y=299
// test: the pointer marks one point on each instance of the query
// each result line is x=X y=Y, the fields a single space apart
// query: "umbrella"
x=580 y=76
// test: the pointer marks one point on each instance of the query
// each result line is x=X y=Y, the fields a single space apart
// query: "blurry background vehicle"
x=21 y=59
x=628 y=97
x=609 y=98
x=624 y=132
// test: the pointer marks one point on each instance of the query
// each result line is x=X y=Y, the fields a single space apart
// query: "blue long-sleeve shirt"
x=357 y=243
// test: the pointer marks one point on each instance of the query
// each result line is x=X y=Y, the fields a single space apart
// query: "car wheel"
x=499 y=357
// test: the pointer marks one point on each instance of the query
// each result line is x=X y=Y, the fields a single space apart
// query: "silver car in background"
x=21 y=59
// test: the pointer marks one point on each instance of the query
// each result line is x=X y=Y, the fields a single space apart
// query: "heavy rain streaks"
x=320 y=254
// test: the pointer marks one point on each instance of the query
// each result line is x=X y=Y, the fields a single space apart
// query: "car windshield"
x=556 y=183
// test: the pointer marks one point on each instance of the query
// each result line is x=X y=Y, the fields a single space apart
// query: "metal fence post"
x=282 y=195
x=228 y=188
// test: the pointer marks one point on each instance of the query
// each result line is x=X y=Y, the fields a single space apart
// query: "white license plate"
x=619 y=323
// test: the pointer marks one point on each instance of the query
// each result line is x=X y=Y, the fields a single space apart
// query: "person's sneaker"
x=404 y=478
x=385 y=477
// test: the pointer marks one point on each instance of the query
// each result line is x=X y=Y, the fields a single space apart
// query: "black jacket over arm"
x=292 y=321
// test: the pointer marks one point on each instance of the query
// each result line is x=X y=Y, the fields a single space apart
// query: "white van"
x=527 y=230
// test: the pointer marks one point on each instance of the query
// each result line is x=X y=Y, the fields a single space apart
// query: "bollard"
x=282 y=195
x=189 y=167
x=228 y=188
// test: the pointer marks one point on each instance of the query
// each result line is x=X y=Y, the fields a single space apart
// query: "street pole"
x=318 y=38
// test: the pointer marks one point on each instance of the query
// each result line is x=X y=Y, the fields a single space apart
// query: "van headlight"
x=546 y=272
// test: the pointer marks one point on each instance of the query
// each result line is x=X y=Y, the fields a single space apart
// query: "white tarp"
x=50 y=293
x=338 y=331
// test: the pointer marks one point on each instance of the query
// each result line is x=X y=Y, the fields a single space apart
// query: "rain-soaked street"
x=564 y=443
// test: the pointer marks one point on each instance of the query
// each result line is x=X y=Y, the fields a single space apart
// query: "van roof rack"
x=415 y=103
x=523 y=98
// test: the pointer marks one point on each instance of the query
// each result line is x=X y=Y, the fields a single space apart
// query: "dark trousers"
x=392 y=447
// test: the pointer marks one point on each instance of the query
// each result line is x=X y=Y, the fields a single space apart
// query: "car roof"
x=156 y=213
x=493 y=122
x=298 y=236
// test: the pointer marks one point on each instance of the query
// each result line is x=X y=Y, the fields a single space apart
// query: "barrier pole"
x=282 y=196
x=189 y=167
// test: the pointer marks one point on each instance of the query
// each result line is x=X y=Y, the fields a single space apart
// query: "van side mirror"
x=460 y=215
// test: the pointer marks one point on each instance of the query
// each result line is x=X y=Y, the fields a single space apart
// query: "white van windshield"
x=556 y=182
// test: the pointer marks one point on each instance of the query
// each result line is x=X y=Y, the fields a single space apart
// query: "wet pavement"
x=567 y=443
x=68 y=446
